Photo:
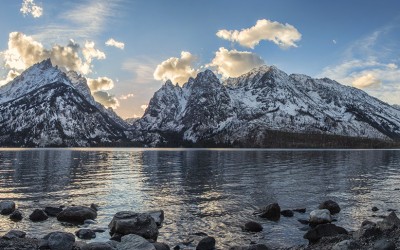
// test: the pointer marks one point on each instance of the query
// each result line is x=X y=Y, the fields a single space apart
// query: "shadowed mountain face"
x=263 y=108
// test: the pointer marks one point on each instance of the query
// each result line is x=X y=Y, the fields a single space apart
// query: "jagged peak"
x=207 y=75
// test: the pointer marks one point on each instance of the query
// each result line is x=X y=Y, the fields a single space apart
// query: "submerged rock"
x=127 y=222
x=331 y=205
x=287 y=213
x=77 y=214
x=271 y=212
x=38 y=215
x=320 y=216
x=7 y=207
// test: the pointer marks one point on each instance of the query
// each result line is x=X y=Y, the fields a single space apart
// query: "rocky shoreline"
x=130 y=230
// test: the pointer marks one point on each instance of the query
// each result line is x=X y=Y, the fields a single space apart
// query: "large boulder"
x=133 y=241
x=384 y=244
x=207 y=243
x=16 y=215
x=271 y=212
x=7 y=207
x=77 y=214
x=59 y=241
x=14 y=234
x=332 y=206
x=127 y=222
x=389 y=223
x=97 y=246
x=53 y=211
x=38 y=215
x=323 y=230
x=320 y=216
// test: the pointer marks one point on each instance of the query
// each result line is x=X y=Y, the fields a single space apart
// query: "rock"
x=253 y=226
x=133 y=241
x=85 y=234
x=116 y=237
x=78 y=245
x=127 y=222
x=332 y=206
x=258 y=247
x=158 y=216
x=19 y=244
x=77 y=214
x=304 y=222
x=300 y=210
x=14 y=234
x=346 y=245
x=60 y=241
x=392 y=210
x=7 y=207
x=98 y=230
x=390 y=222
x=271 y=212
x=95 y=207
x=323 y=230
x=207 y=243
x=384 y=244
x=98 y=246
x=161 y=246
x=367 y=230
x=53 y=211
x=38 y=215
x=320 y=216
x=89 y=222
x=16 y=215
x=374 y=209
x=287 y=213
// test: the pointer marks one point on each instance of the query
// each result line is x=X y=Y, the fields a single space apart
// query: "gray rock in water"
x=77 y=214
x=271 y=212
x=16 y=215
x=14 y=234
x=161 y=246
x=320 y=216
x=95 y=207
x=7 y=207
x=287 y=213
x=390 y=222
x=384 y=244
x=323 y=230
x=133 y=241
x=207 y=243
x=60 y=241
x=98 y=246
x=331 y=205
x=253 y=226
x=367 y=230
x=346 y=245
x=52 y=211
x=127 y=222
x=85 y=234
x=38 y=215
x=158 y=216
x=374 y=209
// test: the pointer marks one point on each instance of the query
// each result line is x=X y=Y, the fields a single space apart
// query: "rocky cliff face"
x=247 y=109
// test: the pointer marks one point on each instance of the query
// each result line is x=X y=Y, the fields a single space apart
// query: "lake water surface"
x=210 y=191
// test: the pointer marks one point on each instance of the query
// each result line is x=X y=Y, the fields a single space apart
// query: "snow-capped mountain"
x=247 y=110
x=47 y=107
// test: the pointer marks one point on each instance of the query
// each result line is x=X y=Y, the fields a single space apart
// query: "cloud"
x=10 y=76
x=365 y=80
x=23 y=51
x=142 y=70
x=178 y=70
x=127 y=96
x=106 y=99
x=114 y=43
x=233 y=63
x=144 y=107
x=283 y=35
x=334 y=41
x=101 y=83
x=29 y=7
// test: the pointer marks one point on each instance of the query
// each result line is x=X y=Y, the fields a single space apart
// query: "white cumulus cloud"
x=178 y=70
x=127 y=96
x=30 y=7
x=284 y=35
x=233 y=63
x=365 y=80
x=114 y=43
x=101 y=83
x=106 y=99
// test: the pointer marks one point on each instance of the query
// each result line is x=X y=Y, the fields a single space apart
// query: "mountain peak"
x=45 y=64
x=206 y=75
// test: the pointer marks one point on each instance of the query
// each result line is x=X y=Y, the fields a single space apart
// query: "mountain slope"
x=43 y=107
x=245 y=111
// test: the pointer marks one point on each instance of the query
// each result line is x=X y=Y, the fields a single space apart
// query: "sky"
x=128 y=48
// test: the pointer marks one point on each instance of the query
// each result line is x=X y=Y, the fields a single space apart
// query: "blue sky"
x=354 y=42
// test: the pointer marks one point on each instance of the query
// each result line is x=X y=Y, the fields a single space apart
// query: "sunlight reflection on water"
x=210 y=191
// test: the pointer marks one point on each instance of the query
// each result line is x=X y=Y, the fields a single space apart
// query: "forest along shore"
x=131 y=230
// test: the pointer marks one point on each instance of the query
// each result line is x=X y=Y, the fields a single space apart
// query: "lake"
x=210 y=191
